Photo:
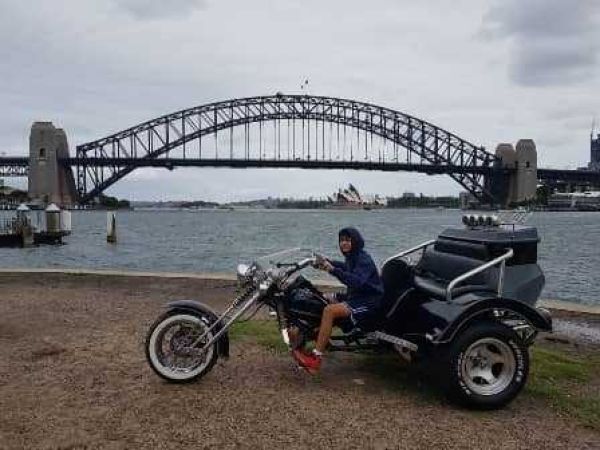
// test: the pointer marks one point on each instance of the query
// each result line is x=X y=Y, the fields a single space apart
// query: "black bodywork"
x=416 y=307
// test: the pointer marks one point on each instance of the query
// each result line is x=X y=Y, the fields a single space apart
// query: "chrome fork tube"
x=238 y=313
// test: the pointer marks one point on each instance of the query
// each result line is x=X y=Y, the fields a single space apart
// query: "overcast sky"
x=489 y=71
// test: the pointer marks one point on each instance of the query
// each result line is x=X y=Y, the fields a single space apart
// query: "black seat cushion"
x=437 y=289
x=437 y=268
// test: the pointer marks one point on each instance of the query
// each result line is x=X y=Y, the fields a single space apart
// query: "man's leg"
x=294 y=336
x=312 y=363
x=330 y=314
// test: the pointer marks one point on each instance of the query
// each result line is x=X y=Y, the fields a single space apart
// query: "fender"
x=197 y=307
x=538 y=318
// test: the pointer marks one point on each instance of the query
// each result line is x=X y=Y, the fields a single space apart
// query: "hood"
x=357 y=240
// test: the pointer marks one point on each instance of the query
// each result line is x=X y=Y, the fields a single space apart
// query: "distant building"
x=409 y=195
x=351 y=198
x=581 y=201
x=594 y=153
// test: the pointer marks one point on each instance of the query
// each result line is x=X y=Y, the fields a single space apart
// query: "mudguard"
x=194 y=306
x=463 y=310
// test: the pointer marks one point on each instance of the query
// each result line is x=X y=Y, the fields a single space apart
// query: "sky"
x=490 y=71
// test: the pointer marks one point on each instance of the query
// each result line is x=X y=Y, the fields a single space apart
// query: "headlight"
x=242 y=270
x=244 y=274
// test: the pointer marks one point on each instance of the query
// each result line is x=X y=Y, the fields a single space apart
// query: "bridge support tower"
x=520 y=184
x=49 y=180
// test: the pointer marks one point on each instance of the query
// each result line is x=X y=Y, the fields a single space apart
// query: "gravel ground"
x=73 y=375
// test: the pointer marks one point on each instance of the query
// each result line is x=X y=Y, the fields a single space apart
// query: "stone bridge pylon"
x=49 y=180
x=521 y=183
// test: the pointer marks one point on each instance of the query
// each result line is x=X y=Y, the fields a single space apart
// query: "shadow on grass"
x=398 y=375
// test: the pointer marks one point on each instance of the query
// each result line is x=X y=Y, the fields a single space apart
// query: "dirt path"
x=73 y=375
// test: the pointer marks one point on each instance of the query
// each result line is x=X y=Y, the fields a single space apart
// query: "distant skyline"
x=491 y=71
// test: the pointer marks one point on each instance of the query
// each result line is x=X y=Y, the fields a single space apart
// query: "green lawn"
x=568 y=384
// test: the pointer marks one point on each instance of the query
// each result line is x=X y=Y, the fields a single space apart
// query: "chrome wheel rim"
x=488 y=366
x=169 y=347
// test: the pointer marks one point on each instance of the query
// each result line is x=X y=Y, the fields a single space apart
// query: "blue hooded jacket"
x=358 y=272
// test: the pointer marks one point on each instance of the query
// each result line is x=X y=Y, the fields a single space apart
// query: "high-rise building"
x=594 y=152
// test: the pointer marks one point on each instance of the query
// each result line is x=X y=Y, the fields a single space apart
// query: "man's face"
x=345 y=244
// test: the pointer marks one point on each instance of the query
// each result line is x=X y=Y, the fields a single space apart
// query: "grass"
x=569 y=384
x=264 y=332
x=563 y=381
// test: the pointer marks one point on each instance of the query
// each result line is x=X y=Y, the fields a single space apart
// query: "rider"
x=361 y=301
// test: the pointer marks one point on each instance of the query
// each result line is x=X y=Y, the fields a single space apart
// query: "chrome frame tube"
x=406 y=252
x=501 y=259
x=226 y=326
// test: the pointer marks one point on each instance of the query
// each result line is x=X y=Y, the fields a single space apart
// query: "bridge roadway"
x=18 y=166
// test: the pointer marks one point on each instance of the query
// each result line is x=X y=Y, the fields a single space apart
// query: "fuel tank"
x=304 y=300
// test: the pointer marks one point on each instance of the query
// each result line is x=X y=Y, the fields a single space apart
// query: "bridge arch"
x=103 y=162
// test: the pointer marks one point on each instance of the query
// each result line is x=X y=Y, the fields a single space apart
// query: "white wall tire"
x=159 y=343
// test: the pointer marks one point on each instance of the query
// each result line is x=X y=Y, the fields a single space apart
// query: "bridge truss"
x=284 y=131
x=14 y=166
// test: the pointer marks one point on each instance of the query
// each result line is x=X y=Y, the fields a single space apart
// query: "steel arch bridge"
x=215 y=134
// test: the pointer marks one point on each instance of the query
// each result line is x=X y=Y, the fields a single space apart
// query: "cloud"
x=152 y=9
x=552 y=42
x=97 y=67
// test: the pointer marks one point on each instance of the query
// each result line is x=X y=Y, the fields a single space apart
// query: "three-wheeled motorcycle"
x=463 y=304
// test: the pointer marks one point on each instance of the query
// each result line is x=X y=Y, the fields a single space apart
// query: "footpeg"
x=402 y=343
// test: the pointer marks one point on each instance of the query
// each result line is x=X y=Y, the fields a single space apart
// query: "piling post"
x=111 y=227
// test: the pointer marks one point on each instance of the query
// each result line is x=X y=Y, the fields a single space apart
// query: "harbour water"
x=216 y=240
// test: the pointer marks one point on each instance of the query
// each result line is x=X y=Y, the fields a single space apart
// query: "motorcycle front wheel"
x=168 y=348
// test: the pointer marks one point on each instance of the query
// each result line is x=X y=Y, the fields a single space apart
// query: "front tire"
x=168 y=348
x=486 y=366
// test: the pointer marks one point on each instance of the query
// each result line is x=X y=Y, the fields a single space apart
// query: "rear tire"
x=170 y=356
x=485 y=367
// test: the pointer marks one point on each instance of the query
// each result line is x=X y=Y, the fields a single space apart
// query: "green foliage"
x=542 y=194
x=113 y=202
x=423 y=202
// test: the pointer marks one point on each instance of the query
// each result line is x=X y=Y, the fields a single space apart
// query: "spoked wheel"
x=169 y=351
x=486 y=366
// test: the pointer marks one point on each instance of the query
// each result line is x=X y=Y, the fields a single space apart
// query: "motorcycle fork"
x=226 y=326
x=282 y=321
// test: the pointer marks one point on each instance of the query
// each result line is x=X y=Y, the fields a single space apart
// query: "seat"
x=397 y=279
x=437 y=289
x=437 y=269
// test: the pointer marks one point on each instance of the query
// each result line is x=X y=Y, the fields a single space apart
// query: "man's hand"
x=326 y=266
x=322 y=263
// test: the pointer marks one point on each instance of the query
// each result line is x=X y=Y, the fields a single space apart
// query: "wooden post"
x=111 y=227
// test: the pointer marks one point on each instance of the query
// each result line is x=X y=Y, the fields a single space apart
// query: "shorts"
x=363 y=311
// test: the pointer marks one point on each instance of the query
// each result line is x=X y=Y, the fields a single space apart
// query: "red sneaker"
x=309 y=362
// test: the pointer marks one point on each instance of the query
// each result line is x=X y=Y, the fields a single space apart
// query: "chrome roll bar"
x=408 y=252
x=499 y=260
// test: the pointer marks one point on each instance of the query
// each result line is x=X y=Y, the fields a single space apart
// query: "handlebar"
x=293 y=267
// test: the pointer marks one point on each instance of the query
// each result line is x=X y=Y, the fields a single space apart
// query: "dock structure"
x=16 y=232
x=22 y=231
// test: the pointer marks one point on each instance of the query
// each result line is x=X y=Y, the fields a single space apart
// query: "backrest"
x=396 y=276
x=446 y=265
